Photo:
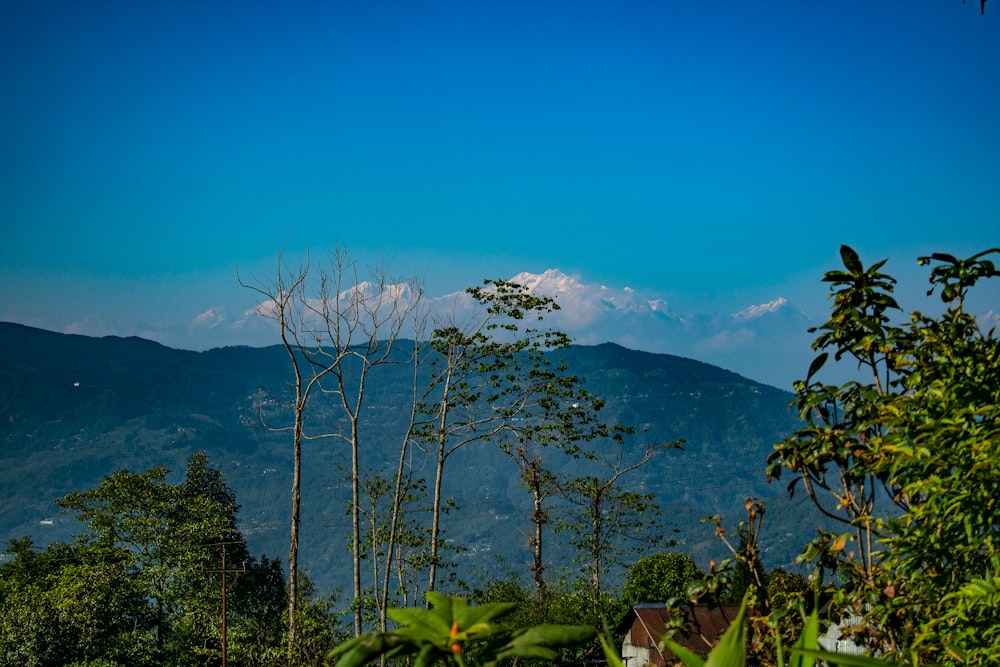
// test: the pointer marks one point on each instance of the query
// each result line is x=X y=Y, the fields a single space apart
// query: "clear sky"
x=705 y=151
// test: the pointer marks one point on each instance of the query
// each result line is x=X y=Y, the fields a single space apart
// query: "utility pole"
x=223 y=571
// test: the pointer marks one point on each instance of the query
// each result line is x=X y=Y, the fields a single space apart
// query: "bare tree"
x=336 y=328
x=279 y=303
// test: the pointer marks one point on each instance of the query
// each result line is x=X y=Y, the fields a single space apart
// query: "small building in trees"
x=836 y=639
x=645 y=624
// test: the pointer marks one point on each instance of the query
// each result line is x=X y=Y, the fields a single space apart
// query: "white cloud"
x=95 y=325
x=211 y=318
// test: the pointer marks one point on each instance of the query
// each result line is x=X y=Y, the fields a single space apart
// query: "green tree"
x=940 y=448
x=256 y=624
x=492 y=381
x=785 y=589
x=923 y=433
x=527 y=610
x=209 y=507
x=561 y=606
x=569 y=418
x=67 y=604
x=830 y=455
x=134 y=588
x=660 y=577
x=164 y=536
x=138 y=515
x=599 y=609
x=320 y=626
x=606 y=523
x=394 y=543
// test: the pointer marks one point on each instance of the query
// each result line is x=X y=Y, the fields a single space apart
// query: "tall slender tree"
x=394 y=538
x=337 y=323
x=491 y=380
x=542 y=484
x=282 y=303
x=564 y=425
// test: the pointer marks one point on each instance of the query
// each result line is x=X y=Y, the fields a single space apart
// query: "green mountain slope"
x=74 y=408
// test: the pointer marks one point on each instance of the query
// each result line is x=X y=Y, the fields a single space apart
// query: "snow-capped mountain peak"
x=381 y=294
x=755 y=340
x=570 y=293
x=550 y=282
x=753 y=312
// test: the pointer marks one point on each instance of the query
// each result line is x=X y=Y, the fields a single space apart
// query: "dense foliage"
x=660 y=577
x=907 y=458
x=141 y=585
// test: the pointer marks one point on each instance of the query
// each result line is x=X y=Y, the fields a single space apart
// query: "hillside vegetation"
x=901 y=463
x=77 y=408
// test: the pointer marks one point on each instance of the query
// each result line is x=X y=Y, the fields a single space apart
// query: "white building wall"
x=635 y=656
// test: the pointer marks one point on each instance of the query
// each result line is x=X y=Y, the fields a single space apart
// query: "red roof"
x=702 y=628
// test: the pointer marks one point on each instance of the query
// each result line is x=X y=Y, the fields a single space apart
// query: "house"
x=645 y=624
x=835 y=639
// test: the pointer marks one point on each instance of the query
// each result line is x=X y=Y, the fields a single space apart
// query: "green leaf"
x=816 y=364
x=807 y=640
x=541 y=641
x=611 y=653
x=731 y=650
x=427 y=657
x=851 y=260
x=364 y=649
x=554 y=635
x=944 y=257
x=531 y=651
x=686 y=656
x=421 y=622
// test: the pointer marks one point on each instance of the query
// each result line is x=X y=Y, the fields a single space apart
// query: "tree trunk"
x=293 y=549
x=436 y=519
x=356 y=522
x=538 y=568
x=442 y=442
x=595 y=508
x=397 y=514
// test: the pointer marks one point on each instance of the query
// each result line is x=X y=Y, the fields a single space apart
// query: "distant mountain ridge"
x=74 y=408
x=767 y=341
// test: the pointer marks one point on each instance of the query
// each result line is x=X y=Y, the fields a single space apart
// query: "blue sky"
x=707 y=152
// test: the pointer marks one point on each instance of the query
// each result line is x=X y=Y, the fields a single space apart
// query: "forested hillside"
x=77 y=408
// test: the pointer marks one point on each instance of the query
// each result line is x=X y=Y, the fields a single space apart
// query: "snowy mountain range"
x=765 y=342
